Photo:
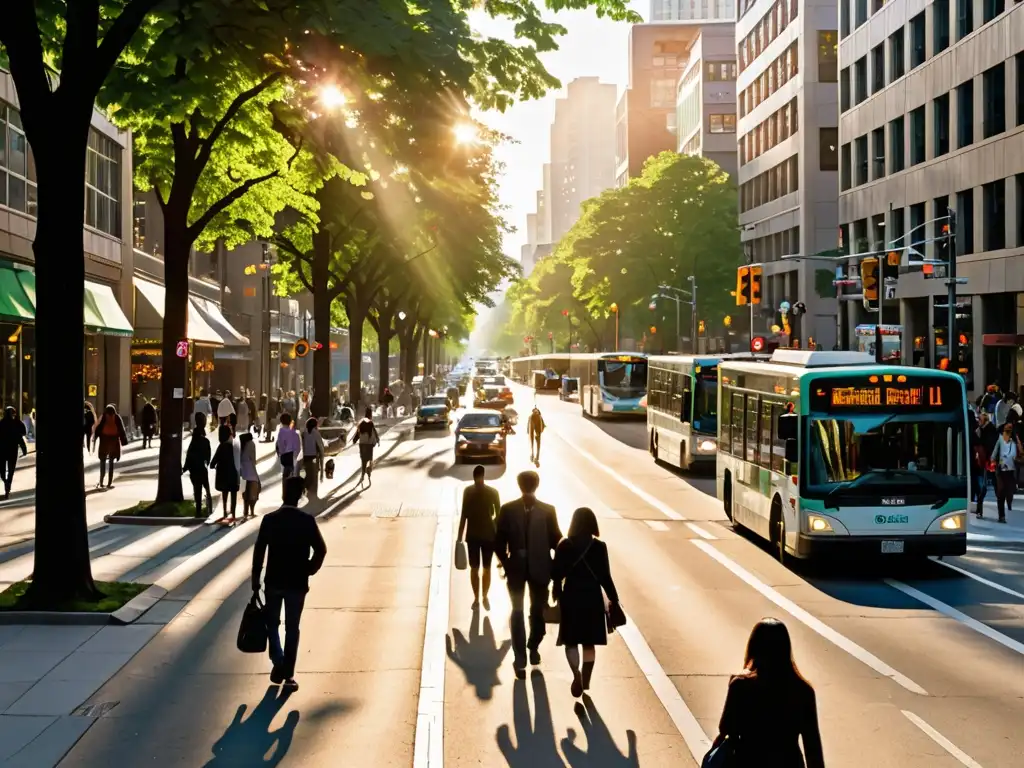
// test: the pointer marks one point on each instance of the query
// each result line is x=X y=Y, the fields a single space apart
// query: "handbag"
x=614 y=616
x=553 y=611
x=721 y=755
x=252 y=633
x=461 y=556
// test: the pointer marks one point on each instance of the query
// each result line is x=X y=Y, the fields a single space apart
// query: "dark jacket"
x=525 y=550
x=12 y=437
x=767 y=718
x=582 y=576
x=197 y=457
x=147 y=419
x=479 y=508
x=989 y=436
x=226 y=480
x=290 y=535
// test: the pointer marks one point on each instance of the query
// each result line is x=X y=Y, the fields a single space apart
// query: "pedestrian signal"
x=757 y=344
x=869 y=278
x=742 y=286
x=755 y=285
x=301 y=348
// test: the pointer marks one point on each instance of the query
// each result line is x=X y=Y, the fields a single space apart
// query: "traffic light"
x=743 y=286
x=869 y=278
x=755 y=285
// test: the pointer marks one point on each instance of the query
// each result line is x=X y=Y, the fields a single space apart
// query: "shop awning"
x=15 y=303
x=282 y=337
x=215 y=319
x=198 y=329
x=102 y=313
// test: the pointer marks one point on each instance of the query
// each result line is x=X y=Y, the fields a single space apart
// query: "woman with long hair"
x=770 y=707
x=582 y=579
x=110 y=436
x=227 y=462
x=367 y=437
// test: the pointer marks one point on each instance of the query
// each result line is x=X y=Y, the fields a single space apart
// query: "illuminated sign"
x=624 y=359
x=181 y=348
x=884 y=393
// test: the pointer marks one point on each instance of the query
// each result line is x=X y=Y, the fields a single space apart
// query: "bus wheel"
x=777 y=521
x=727 y=495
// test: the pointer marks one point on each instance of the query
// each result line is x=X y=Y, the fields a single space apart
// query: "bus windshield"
x=705 y=405
x=621 y=379
x=867 y=454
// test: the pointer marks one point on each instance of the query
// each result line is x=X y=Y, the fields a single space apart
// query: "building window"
x=917 y=228
x=860 y=15
x=103 y=184
x=860 y=79
x=965 y=221
x=1020 y=88
x=941 y=124
x=877 y=68
x=860 y=151
x=897 y=227
x=663 y=93
x=940 y=207
x=878 y=152
x=722 y=123
x=17 y=164
x=940 y=26
x=846 y=167
x=965 y=114
x=994 y=200
x=828 y=56
x=896 y=144
x=964 y=18
x=844 y=89
x=844 y=17
x=917 y=144
x=993 y=83
x=828 y=146
x=918 y=54
x=991 y=9
x=897 y=55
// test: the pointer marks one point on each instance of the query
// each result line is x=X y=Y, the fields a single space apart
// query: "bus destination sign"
x=838 y=395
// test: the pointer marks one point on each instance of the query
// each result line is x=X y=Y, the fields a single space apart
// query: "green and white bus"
x=682 y=409
x=830 y=454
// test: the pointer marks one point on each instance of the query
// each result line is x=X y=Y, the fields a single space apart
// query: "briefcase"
x=461 y=556
x=252 y=634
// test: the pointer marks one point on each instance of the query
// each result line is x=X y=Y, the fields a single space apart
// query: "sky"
x=592 y=47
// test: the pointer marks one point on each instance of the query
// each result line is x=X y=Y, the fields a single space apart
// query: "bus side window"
x=752 y=445
x=686 y=406
x=725 y=422
x=766 y=434
x=737 y=426
x=778 y=444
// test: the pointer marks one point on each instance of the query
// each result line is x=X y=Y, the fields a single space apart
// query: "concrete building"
x=108 y=263
x=706 y=98
x=788 y=180
x=692 y=10
x=932 y=101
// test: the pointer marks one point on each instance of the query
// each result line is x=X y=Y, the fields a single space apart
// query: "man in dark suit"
x=526 y=534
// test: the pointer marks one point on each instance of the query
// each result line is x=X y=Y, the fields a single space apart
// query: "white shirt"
x=225 y=408
x=1005 y=454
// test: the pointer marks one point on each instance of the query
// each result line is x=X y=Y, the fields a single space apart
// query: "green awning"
x=15 y=304
x=102 y=313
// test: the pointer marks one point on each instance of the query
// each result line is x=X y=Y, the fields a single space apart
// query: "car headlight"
x=816 y=524
x=706 y=445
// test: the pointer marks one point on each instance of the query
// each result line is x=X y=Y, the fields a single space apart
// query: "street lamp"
x=615 y=308
x=693 y=311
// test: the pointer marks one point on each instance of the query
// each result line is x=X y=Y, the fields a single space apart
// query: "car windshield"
x=705 y=406
x=436 y=400
x=623 y=379
x=477 y=420
x=886 y=453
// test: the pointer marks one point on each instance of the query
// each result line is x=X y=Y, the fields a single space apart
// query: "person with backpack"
x=535 y=427
x=367 y=438
x=111 y=435
x=197 y=461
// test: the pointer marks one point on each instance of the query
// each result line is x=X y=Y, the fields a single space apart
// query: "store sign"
x=181 y=349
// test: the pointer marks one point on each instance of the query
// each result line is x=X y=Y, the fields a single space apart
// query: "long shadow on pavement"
x=535 y=745
x=250 y=741
x=478 y=656
x=601 y=752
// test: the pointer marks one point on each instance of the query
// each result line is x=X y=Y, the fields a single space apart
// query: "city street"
x=914 y=665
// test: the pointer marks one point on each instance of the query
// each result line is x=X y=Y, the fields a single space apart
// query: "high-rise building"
x=932 y=109
x=692 y=10
x=787 y=98
x=706 y=98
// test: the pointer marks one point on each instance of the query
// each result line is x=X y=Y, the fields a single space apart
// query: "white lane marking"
x=942 y=741
x=656 y=525
x=989 y=551
x=980 y=579
x=658 y=504
x=810 y=621
x=701 y=532
x=428 y=748
x=696 y=740
x=953 y=613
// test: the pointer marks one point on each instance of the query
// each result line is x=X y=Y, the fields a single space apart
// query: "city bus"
x=610 y=382
x=523 y=367
x=829 y=454
x=682 y=409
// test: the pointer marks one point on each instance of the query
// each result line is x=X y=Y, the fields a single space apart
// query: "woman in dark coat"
x=225 y=462
x=12 y=439
x=147 y=420
x=771 y=707
x=582 y=577
x=110 y=436
x=88 y=424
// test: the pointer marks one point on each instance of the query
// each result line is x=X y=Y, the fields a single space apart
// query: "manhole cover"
x=95 y=710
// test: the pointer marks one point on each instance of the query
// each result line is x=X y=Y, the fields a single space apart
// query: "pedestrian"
x=12 y=438
x=255 y=417
x=526 y=532
x=250 y=475
x=988 y=438
x=535 y=428
x=288 y=446
x=110 y=436
x=289 y=403
x=242 y=413
x=387 y=401
x=480 y=504
x=88 y=424
x=1003 y=408
x=273 y=408
x=197 y=461
x=1004 y=458
x=770 y=707
x=367 y=437
x=225 y=408
x=582 y=577
x=286 y=539
x=203 y=406
x=228 y=469
x=304 y=404
x=312 y=456
x=147 y=420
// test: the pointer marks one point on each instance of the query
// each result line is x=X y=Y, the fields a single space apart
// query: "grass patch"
x=113 y=595
x=163 y=509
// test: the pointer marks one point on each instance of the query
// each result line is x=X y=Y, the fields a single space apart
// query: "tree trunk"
x=320 y=273
x=62 y=570
x=409 y=340
x=356 y=316
x=384 y=335
x=174 y=377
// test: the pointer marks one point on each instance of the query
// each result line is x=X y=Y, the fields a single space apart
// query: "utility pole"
x=693 y=312
x=951 y=281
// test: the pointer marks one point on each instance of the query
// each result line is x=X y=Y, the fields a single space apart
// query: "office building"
x=787 y=99
x=932 y=118
x=692 y=10
x=706 y=98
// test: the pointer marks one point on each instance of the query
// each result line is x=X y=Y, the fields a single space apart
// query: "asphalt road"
x=914 y=664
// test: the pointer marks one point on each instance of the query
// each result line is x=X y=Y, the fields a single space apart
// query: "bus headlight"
x=706 y=446
x=951 y=523
x=817 y=524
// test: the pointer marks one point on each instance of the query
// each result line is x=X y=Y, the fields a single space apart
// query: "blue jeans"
x=293 y=600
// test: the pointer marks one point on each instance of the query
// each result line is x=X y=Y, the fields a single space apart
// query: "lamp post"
x=693 y=311
x=615 y=308
x=568 y=321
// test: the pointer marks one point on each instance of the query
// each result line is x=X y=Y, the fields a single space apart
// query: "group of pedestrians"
x=234 y=465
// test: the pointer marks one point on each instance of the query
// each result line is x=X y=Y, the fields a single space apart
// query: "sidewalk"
x=988 y=530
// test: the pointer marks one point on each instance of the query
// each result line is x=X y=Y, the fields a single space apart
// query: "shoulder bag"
x=721 y=755
x=553 y=612
x=252 y=633
x=614 y=616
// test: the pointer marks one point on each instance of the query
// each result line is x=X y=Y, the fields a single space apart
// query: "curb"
x=144 y=520
x=134 y=609
x=57 y=618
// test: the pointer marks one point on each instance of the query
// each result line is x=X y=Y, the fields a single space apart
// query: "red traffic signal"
x=757 y=344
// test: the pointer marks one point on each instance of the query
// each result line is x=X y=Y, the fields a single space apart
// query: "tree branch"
x=19 y=35
x=117 y=38
x=206 y=145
